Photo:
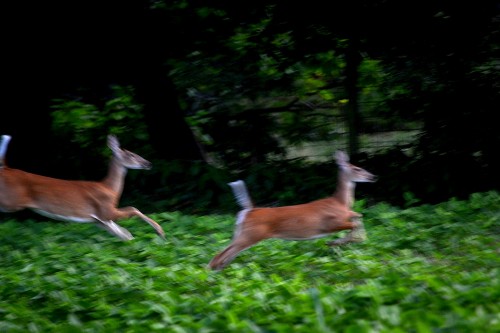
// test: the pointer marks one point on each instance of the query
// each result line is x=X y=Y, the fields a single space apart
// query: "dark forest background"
x=212 y=91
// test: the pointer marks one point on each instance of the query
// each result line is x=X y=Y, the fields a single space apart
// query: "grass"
x=424 y=269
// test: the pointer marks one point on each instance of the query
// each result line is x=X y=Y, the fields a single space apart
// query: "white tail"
x=241 y=194
x=75 y=200
x=312 y=220
x=3 y=148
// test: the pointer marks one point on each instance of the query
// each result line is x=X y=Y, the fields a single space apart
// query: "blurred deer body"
x=74 y=200
x=311 y=220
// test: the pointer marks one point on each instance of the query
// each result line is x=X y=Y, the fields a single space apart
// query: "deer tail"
x=3 y=149
x=241 y=194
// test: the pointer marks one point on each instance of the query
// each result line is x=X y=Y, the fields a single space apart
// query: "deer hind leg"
x=222 y=259
x=127 y=212
x=113 y=228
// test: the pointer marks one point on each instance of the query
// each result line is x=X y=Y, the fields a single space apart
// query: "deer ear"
x=341 y=157
x=113 y=143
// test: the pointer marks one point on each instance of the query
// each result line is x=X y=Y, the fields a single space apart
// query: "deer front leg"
x=356 y=234
x=114 y=228
x=127 y=212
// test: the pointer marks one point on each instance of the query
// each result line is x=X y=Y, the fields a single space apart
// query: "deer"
x=312 y=220
x=79 y=201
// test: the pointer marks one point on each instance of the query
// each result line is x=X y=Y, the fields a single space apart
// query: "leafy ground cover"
x=433 y=268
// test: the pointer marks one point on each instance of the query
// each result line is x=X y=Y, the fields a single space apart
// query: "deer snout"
x=141 y=165
x=365 y=178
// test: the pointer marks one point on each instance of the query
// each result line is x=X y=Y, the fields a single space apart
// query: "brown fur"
x=311 y=220
x=76 y=200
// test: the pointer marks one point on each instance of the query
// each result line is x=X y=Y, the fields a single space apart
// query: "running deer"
x=312 y=220
x=74 y=200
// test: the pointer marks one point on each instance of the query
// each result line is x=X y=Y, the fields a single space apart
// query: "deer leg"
x=358 y=234
x=127 y=212
x=355 y=235
x=229 y=253
x=113 y=228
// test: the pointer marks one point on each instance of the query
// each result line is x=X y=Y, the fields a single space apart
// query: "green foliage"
x=289 y=182
x=188 y=186
x=81 y=122
x=258 y=85
x=423 y=269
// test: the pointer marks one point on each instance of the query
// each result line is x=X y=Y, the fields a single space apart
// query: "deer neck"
x=116 y=176
x=345 y=191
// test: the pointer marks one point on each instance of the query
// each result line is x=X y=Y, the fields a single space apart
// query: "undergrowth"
x=432 y=268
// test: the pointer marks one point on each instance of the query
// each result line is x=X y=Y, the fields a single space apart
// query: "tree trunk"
x=170 y=134
x=353 y=59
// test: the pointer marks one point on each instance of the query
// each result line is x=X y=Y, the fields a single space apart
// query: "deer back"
x=305 y=221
